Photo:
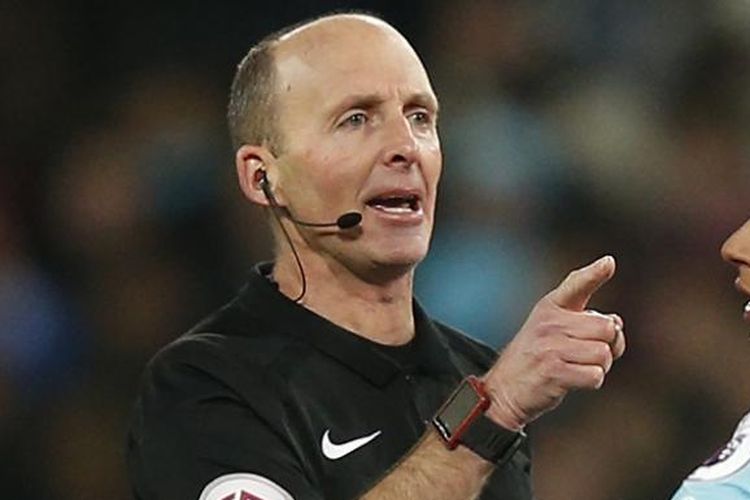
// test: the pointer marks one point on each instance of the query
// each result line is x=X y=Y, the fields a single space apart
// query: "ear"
x=251 y=162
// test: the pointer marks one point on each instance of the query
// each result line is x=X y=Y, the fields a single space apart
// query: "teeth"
x=747 y=308
x=395 y=210
x=397 y=205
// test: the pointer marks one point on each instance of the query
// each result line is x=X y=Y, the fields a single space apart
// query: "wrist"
x=502 y=411
x=462 y=453
x=462 y=420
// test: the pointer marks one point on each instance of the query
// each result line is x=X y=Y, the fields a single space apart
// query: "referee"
x=324 y=378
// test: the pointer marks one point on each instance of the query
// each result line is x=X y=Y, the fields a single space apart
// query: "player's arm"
x=561 y=347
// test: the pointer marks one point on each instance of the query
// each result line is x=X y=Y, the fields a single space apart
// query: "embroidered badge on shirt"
x=244 y=486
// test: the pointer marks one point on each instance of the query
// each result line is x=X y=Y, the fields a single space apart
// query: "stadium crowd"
x=571 y=130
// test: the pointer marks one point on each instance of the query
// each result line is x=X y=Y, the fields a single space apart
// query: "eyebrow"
x=369 y=101
x=425 y=99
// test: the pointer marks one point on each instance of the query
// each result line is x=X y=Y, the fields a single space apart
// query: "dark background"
x=571 y=129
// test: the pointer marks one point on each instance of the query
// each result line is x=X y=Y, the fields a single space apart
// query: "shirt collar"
x=357 y=353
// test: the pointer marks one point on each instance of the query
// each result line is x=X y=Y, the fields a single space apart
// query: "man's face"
x=736 y=250
x=358 y=118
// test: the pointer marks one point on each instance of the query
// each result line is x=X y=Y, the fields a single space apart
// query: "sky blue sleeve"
x=712 y=491
x=726 y=475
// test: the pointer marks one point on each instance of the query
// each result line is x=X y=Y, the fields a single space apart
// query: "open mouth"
x=396 y=204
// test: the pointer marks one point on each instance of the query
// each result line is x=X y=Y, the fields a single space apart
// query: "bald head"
x=335 y=29
x=278 y=61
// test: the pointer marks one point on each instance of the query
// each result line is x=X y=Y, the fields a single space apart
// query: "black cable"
x=275 y=209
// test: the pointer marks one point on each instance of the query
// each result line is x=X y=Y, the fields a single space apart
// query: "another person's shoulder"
x=726 y=474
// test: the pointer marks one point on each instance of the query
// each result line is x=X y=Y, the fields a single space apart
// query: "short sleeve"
x=194 y=437
x=711 y=491
x=726 y=474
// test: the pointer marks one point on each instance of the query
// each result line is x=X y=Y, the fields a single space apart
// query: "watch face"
x=464 y=401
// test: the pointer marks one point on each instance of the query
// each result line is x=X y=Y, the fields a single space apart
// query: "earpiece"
x=348 y=220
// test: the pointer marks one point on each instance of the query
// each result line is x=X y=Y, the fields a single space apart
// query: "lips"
x=397 y=202
x=739 y=285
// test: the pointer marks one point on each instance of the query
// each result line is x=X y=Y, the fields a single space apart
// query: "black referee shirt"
x=265 y=386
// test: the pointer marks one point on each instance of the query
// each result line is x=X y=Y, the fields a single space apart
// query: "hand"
x=561 y=347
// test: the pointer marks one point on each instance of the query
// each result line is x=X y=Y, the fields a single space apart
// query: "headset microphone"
x=346 y=221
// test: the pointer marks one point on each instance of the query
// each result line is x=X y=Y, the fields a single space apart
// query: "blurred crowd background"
x=571 y=129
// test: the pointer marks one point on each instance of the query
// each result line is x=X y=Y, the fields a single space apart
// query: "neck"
x=381 y=312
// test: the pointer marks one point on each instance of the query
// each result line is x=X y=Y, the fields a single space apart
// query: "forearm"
x=432 y=471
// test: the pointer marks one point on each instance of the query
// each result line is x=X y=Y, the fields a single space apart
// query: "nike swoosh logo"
x=334 y=451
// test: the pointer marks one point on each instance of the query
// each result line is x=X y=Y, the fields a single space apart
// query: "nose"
x=401 y=147
x=736 y=250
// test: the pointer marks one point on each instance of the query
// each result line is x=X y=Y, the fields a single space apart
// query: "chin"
x=405 y=259
x=391 y=259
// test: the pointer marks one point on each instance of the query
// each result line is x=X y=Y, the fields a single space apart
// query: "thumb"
x=578 y=287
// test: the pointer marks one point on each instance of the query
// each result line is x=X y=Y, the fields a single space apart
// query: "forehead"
x=327 y=61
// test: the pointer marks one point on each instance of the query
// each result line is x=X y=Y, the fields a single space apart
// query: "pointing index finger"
x=576 y=289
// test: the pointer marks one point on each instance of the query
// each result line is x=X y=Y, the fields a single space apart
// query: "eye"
x=421 y=118
x=354 y=120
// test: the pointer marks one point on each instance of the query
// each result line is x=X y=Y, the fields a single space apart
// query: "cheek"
x=433 y=168
x=331 y=157
x=332 y=182
x=312 y=171
x=337 y=174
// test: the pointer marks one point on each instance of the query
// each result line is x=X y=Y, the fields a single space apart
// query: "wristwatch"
x=461 y=420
